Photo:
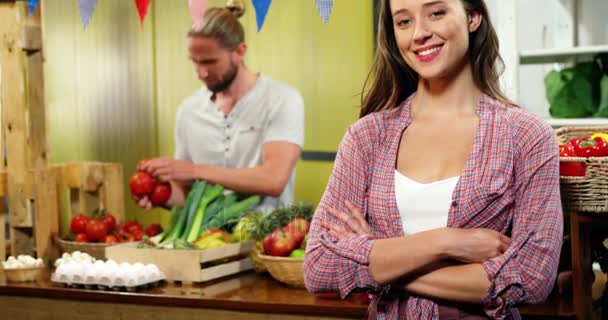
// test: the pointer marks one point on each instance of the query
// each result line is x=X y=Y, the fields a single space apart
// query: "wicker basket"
x=289 y=271
x=23 y=274
x=588 y=193
x=95 y=250
x=258 y=264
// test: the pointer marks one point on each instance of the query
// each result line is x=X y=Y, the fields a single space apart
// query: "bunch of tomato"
x=102 y=227
x=143 y=184
x=595 y=145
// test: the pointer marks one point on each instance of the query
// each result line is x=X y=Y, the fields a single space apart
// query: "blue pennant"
x=324 y=7
x=31 y=6
x=86 y=11
x=261 y=9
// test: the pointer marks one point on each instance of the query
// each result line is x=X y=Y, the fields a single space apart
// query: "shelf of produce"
x=578 y=122
x=559 y=55
x=242 y=296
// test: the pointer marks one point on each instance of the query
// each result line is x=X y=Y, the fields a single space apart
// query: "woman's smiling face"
x=433 y=35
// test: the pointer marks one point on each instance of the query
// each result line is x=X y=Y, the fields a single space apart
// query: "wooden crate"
x=187 y=265
x=60 y=190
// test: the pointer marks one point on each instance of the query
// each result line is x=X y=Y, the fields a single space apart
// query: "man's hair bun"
x=236 y=7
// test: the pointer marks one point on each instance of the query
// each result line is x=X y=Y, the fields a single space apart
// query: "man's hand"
x=169 y=169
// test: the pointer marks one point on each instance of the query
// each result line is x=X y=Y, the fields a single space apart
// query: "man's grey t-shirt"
x=270 y=111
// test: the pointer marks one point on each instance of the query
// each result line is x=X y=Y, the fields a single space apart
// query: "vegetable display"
x=206 y=218
x=594 y=145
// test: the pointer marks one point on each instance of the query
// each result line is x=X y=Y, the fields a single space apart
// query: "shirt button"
x=455 y=204
x=227 y=138
x=227 y=149
x=228 y=126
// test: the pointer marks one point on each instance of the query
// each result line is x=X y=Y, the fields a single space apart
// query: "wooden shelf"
x=578 y=122
x=559 y=55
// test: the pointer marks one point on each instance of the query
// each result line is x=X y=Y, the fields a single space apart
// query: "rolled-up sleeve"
x=526 y=272
x=332 y=265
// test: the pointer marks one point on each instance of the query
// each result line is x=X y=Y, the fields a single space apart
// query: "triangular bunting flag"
x=31 y=6
x=324 y=7
x=142 y=8
x=86 y=11
x=197 y=10
x=261 y=9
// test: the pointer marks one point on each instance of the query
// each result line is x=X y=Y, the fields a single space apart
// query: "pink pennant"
x=142 y=8
x=197 y=11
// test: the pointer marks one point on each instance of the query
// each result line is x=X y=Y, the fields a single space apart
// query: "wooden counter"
x=244 y=296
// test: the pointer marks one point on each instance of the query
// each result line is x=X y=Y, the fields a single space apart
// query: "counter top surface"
x=243 y=292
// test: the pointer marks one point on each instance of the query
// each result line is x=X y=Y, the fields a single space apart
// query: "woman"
x=444 y=198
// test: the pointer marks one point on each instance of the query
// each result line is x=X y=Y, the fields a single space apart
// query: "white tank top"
x=423 y=206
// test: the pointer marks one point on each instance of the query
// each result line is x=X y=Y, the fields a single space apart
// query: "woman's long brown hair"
x=391 y=80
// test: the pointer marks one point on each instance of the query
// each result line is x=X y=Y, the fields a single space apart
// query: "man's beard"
x=226 y=81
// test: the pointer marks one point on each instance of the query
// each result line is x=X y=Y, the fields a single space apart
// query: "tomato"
x=124 y=236
x=78 y=224
x=131 y=225
x=96 y=230
x=81 y=237
x=138 y=234
x=568 y=168
x=161 y=193
x=141 y=184
x=109 y=220
x=153 y=230
x=110 y=238
x=566 y=150
x=587 y=147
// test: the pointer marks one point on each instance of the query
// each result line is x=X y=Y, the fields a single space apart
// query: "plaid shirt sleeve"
x=526 y=272
x=332 y=265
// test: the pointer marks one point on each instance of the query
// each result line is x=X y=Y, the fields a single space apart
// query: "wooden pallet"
x=38 y=191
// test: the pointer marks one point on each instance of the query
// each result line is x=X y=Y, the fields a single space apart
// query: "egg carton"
x=108 y=275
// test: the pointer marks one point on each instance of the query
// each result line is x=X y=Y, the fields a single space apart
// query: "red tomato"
x=124 y=236
x=78 y=224
x=81 y=237
x=96 y=230
x=141 y=184
x=566 y=150
x=161 y=193
x=568 y=168
x=587 y=147
x=131 y=226
x=153 y=230
x=138 y=234
x=109 y=220
x=110 y=239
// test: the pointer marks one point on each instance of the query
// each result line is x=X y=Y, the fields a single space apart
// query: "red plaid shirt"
x=510 y=183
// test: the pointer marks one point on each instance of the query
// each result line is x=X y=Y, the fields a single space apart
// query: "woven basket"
x=289 y=271
x=23 y=274
x=95 y=250
x=588 y=193
x=258 y=264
